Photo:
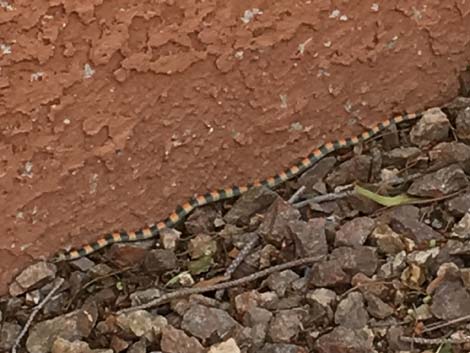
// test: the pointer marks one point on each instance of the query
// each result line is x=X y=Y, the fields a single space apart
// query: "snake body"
x=185 y=209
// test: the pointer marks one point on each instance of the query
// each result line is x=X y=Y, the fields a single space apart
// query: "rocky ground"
x=384 y=270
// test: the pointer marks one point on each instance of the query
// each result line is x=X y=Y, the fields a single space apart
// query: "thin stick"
x=35 y=312
x=448 y=323
x=237 y=262
x=323 y=198
x=297 y=194
x=225 y=285
x=434 y=341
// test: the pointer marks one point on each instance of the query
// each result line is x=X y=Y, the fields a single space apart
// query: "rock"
x=280 y=282
x=465 y=276
x=463 y=124
x=324 y=297
x=275 y=226
x=141 y=323
x=61 y=345
x=204 y=322
x=351 y=312
x=317 y=173
x=128 y=254
x=253 y=201
x=360 y=259
x=450 y=300
x=169 y=237
x=354 y=232
x=282 y=348
x=257 y=316
x=423 y=258
x=393 y=267
x=448 y=153
x=177 y=341
x=394 y=341
x=138 y=347
x=354 y=169
x=459 y=205
x=201 y=220
x=8 y=333
x=456 y=105
x=228 y=346
x=144 y=296
x=367 y=286
x=328 y=274
x=377 y=307
x=464 y=81
x=202 y=245
x=462 y=229
x=309 y=237
x=345 y=340
x=117 y=344
x=33 y=277
x=285 y=326
x=159 y=261
x=431 y=128
x=72 y=326
x=443 y=182
x=399 y=157
x=83 y=264
x=405 y=221
x=100 y=270
x=388 y=242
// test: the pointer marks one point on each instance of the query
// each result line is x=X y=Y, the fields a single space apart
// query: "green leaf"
x=387 y=201
x=201 y=265
x=445 y=348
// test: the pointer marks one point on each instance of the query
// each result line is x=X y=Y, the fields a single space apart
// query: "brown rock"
x=405 y=221
x=354 y=260
x=431 y=128
x=345 y=340
x=309 y=237
x=275 y=226
x=177 y=341
x=255 y=200
x=355 y=169
x=328 y=274
x=354 y=232
x=443 y=182
x=351 y=312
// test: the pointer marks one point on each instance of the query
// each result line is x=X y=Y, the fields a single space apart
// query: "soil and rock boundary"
x=114 y=112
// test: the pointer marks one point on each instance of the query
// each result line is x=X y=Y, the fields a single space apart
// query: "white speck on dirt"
x=36 y=76
x=19 y=215
x=93 y=183
x=239 y=54
x=327 y=44
x=343 y=18
x=5 y=49
x=67 y=121
x=335 y=13
x=250 y=14
x=6 y=5
x=283 y=101
x=296 y=126
x=28 y=169
x=88 y=71
x=301 y=48
x=375 y=7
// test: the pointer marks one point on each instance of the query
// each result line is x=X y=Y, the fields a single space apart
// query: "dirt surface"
x=114 y=112
x=317 y=265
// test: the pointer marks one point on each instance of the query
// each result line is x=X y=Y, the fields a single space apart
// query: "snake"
x=182 y=211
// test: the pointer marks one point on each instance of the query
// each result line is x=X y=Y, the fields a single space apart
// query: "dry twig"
x=35 y=312
x=434 y=341
x=225 y=285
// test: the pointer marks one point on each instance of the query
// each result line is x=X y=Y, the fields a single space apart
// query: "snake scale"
x=185 y=209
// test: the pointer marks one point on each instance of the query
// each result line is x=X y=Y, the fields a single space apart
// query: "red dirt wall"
x=113 y=112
